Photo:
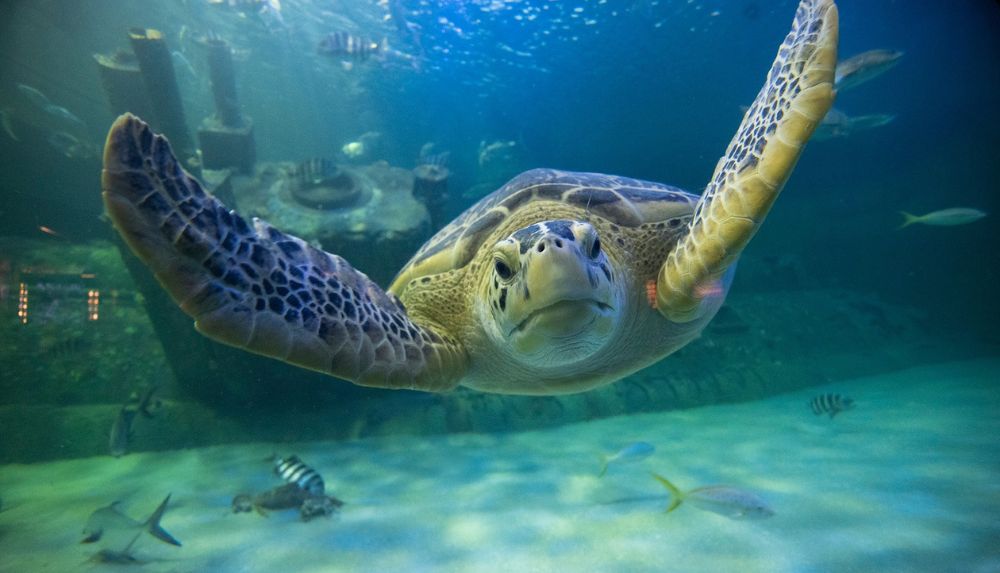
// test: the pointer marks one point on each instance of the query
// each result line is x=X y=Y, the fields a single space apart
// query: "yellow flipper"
x=797 y=94
x=676 y=495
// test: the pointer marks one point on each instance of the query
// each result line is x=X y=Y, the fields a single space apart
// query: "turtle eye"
x=595 y=249
x=503 y=270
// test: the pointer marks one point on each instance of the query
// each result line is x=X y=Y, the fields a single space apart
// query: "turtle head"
x=552 y=294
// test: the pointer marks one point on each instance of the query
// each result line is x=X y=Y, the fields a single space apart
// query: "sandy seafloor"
x=908 y=481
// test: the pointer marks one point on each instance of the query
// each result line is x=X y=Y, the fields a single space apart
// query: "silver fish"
x=944 y=217
x=121 y=432
x=7 y=126
x=146 y=401
x=724 y=500
x=864 y=67
x=70 y=146
x=836 y=123
x=634 y=452
x=111 y=518
x=63 y=114
x=36 y=97
x=183 y=63
x=831 y=404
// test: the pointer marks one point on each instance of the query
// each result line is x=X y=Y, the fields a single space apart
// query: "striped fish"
x=832 y=404
x=294 y=470
x=314 y=171
x=344 y=44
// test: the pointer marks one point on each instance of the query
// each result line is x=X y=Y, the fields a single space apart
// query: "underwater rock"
x=355 y=211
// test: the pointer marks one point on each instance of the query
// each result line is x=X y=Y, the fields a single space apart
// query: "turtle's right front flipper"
x=797 y=94
x=258 y=288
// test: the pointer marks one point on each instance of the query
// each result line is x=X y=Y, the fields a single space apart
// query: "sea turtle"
x=558 y=282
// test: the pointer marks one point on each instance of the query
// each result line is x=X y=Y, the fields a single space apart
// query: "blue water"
x=828 y=291
x=646 y=89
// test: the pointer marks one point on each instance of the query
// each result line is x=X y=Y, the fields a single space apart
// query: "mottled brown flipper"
x=747 y=180
x=258 y=288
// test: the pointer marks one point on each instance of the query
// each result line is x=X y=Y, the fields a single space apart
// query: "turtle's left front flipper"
x=257 y=288
x=747 y=180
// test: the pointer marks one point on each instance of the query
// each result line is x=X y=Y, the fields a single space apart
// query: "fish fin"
x=908 y=219
x=5 y=118
x=93 y=537
x=676 y=495
x=153 y=524
x=128 y=547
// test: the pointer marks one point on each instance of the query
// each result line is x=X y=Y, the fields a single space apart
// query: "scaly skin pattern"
x=760 y=158
x=257 y=288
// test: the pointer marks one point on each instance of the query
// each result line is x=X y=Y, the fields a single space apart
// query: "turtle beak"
x=568 y=297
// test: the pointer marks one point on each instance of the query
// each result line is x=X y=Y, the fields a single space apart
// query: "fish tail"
x=153 y=524
x=5 y=119
x=908 y=219
x=676 y=495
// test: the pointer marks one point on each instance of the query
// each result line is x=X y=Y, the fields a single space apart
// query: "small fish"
x=293 y=470
x=146 y=401
x=314 y=171
x=944 y=217
x=724 y=500
x=70 y=146
x=288 y=496
x=111 y=518
x=863 y=67
x=7 y=126
x=353 y=149
x=838 y=124
x=498 y=150
x=183 y=63
x=36 y=97
x=832 y=404
x=121 y=432
x=634 y=452
x=319 y=506
x=344 y=44
x=242 y=503
x=427 y=156
x=63 y=114
x=49 y=231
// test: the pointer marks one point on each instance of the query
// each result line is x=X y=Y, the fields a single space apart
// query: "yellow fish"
x=724 y=500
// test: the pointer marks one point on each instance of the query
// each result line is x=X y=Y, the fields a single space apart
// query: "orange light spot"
x=709 y=289
x=651 y=292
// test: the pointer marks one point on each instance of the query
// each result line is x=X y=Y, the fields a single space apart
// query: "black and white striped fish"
x=294 y=470
x=313 y=171
x=831 y=404
x=344 y=44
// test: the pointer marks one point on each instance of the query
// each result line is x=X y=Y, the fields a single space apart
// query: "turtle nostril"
x=558 y=243
x=541 y=247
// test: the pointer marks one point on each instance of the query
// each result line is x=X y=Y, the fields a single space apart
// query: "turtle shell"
x=620 y=200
